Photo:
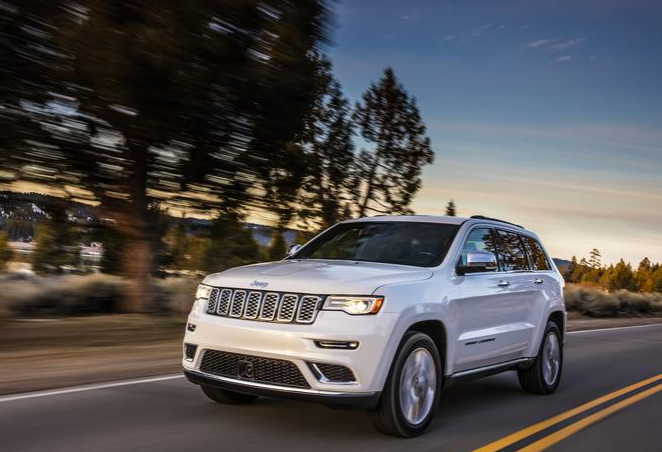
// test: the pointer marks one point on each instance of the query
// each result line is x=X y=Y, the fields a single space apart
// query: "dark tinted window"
x=479 y=239
x=405 y=243
x=511 y=252
x=538 y=258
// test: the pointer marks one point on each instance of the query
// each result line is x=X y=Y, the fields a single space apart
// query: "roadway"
x=489 y=415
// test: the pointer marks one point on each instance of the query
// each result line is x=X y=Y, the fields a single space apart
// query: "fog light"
x=347 y=345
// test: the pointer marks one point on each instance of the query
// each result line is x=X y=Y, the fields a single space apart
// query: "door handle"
x=538 y=281
x=503 y=283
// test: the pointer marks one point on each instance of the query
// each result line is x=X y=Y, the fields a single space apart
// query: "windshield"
x=389 y=242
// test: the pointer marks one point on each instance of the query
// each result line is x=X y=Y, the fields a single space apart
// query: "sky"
x=543 y=113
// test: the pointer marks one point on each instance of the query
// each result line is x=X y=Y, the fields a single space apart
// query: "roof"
x=415 y=218
x=438 y=219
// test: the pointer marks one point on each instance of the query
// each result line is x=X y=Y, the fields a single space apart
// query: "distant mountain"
x=28 y=209
x=560 y=263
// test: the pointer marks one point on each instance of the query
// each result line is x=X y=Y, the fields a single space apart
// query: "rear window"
x=510 y=252
x=539 y=260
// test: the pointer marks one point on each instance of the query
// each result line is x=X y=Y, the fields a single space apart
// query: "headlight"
x=203 y=292
x=353 y=305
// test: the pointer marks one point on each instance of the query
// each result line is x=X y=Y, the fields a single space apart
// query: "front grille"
x=333 y=373
x=189 y=351
x=264 y=370
x=264 y=306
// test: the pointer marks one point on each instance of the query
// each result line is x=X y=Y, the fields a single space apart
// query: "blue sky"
x=547 y=113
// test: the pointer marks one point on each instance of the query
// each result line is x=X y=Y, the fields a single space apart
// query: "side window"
x=479 y=239
x=511 y=252
x=538 y=258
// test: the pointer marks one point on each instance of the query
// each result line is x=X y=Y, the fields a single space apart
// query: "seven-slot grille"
x=263 y=305
x=264 y=370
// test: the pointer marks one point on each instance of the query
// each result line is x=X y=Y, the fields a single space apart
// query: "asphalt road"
x=173 y=415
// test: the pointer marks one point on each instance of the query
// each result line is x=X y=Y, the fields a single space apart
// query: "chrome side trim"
x=477 y=370
x=252 y=384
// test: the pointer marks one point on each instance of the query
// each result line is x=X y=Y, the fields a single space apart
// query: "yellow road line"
x=571 y=429
x=535 y=428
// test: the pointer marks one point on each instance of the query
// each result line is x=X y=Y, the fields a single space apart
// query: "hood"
x=322 y=277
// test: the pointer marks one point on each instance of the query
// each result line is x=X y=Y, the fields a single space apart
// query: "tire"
x=227 y=397
x=417 y=351
x=543 y=377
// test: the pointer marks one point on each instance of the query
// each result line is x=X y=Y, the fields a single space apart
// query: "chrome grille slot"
x=269 y=306
x=288 y=307
x=264 y=306
x=253 y=305
x=308 y=308
x=224 y=301
x=213 y=300
x=237 y=307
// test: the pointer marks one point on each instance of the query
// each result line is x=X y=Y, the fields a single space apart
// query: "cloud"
x=448 y=38
x=564 y=58
x=407 y=17
x=554 y=44
x=479 y=30
x=570 y=43
x=540 y=43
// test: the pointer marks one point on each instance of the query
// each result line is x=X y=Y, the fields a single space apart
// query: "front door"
x=494 y=307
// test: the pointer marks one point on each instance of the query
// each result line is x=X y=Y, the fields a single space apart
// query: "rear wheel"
x=544 y=375
x=411 y=392
x=227 y=397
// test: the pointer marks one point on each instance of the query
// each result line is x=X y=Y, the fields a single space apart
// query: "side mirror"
x=292 y=250
x=478 y=262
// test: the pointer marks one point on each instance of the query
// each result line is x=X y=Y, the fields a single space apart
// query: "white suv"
x=378 y=314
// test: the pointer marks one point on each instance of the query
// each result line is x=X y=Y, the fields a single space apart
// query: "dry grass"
x=30 y=296
x=622 y=303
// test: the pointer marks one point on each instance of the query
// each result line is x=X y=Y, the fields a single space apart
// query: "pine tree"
x=656 y=280
x=570 y=270
x=643 y=276
x=327 y=143
x=389 y=174
x=622 y=277
x=595 y=258
x=6 y=253
x=450 y=209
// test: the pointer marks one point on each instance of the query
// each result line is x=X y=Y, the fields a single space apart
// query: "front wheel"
x=544 y=375
x=411 y=392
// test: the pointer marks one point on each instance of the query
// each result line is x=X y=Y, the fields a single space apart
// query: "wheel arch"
x=437 y=332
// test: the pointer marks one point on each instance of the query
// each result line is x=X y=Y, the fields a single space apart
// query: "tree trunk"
x=138 y=268
x=368 y=193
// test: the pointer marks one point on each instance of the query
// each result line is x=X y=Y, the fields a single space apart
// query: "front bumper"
x=341 y=400
x=295 y=343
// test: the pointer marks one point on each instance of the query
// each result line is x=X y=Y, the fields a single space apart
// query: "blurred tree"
x=450 y=209
x=278 y=247
x=389 y=174
x=55 y=245
x=182 y=103
x=6 y=253
x=231 y=244
x=179 y=247
x=113 y=251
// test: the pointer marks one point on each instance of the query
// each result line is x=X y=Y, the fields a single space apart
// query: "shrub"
x=597 y=303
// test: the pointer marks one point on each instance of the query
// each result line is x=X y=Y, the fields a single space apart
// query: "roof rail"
x=481 y=217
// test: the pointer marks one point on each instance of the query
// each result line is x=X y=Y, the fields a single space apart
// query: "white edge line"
x=92 y=387
x=614 y=328
x=114 y=384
